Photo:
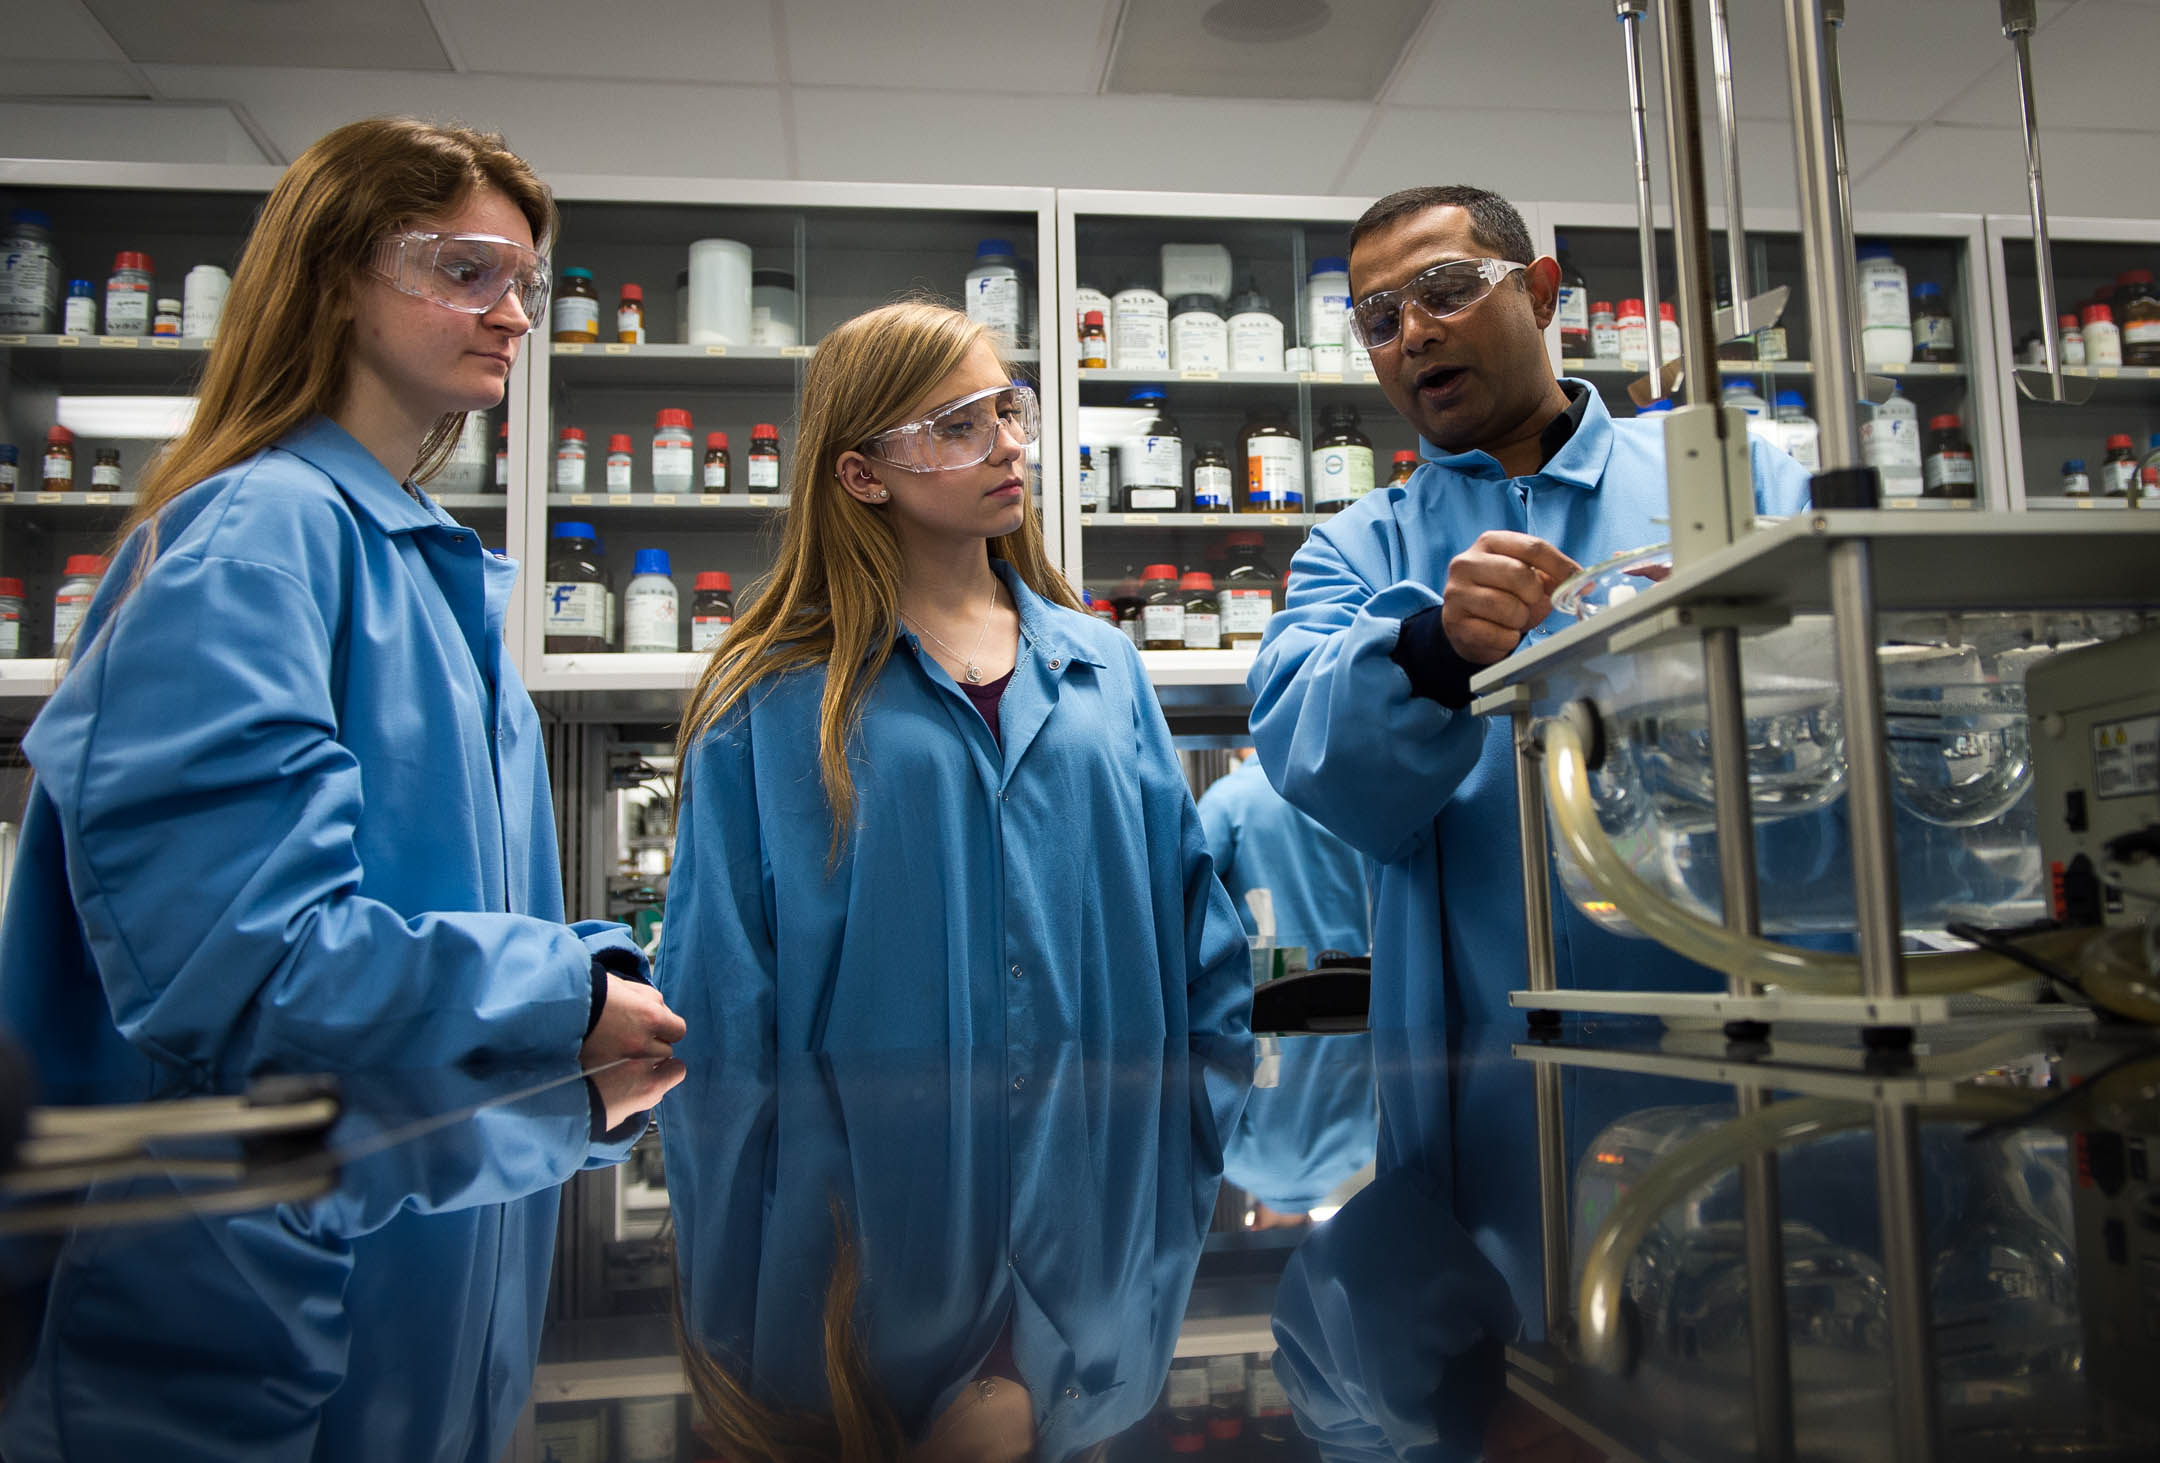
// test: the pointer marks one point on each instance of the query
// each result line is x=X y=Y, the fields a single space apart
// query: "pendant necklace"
x=973 y=674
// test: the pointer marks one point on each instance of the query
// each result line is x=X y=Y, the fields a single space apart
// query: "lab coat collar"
x=1045 y=631
x=363 y=480
x=1579 y=464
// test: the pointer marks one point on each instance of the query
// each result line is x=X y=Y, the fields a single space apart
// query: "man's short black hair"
x=1494 y=223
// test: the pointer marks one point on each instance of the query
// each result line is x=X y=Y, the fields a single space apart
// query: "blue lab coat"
x=1426 y=793
x=1002 y=904
x=1315 y=1127
x=291 y=812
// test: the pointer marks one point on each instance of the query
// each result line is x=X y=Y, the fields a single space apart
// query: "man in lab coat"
x=1361 y=687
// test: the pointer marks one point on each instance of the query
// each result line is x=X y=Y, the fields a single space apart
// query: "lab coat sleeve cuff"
x=1428 y=658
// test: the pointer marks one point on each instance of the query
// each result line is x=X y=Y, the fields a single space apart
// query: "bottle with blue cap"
x=574 y=608
x=1327 y=311
x=79 y=316
x=1797 y=433
x=993 y=291
x=1152 y=465
x=1886 y=329
x=651 y=620
x=2076 y=482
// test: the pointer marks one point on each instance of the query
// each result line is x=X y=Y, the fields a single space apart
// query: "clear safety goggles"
x=469 y=273
x=963 y=433
x=1443 y=290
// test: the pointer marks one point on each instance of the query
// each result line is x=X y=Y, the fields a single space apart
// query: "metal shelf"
x=1199 y=667
x=1603 y=366
x=1200 y=520
x=39 y=499
x=757 y=505
x=642 y=367
x=1167 y=379
x=2082 y=505
x=103 y=360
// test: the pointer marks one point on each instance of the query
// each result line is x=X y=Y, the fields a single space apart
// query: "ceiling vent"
x=1261 y=50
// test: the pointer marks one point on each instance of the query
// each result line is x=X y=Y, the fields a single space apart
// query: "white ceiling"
x=1527 y=97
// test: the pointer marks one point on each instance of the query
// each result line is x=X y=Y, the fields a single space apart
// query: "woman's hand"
x=634 y=1022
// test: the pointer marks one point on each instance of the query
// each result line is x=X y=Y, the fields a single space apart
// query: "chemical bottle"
x=1405 y=469
x=502 y=457
x=1185 y=1399
x=84 y=572
x=577 y=308
x=2148 y=486
x=574 y=615
x=1740 y=391
x=1154 y=462
x=1203 y=614
x=2152 y=452
x=2070 y=342
x=1212 y=480
x=1256 y=336
x=11 y=619
x=1127 y=600
x=1342 y=462
x=466 y=471
x=29 y=278
x=2118 y=472
x=1327 y=308
x=1094 y=482
x=714 y=477
x=630 y=316
x=1668 y=332
x=649 y=606
x=1604 y=333
x=775 y=308
x=1947 y=471
x=761 y=468
x=671 y=451
x=1094 y=342
x=1246 y=598
x=2103 y=341
x=1086 y=298
x=1139 y=330
x=570 y=460
x=1162 y=619
x=81 y=315
x=2075 y=482
x=712 y=609
x=105 y=472
x=1634 y=330
x=59 y=470
x=1770 y=344
x=165 y=320
x=1099 y=607
x=619 y=460
x=1934 y=333
x=2139 y=300
x=1890 y=443
x=1274 y=462
x=1572 y=314
x=127 y=294
x=1886 y=333
x=203 y=301
x=993 y=291
x=9 y=478
x=1199 y=338
x=1798 y=433
x=1226 y=1404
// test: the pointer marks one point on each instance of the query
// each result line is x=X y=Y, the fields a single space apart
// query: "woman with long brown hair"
x=290 y=814
x=932 y=810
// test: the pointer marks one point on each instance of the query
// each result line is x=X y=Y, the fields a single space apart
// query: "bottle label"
x=764 y=471
x=993 y=301
x=2076 y=485
x=1949 y=470
x=1226 y=1373
x=1891 y=441
x=1802 y=442
x=2071 y=348
x=105 y=475
x=575 y=609
x=1604 y=341
x=1188 y=1387
x=1770 y=343
x=68 y=612
x=80 y=316
x=1140 y=333
x=2142 y=332
x=1325 y=314
x=649 y=618
x=60 y=468
x=1199 y=343
x=1635 y=343
x=706 y=631
x=1091 y=488
x=1668 y=334
x=618 y=472
x=1341 y=475
x=1883 y=300
x=1574 y=310
x=630 y=326
x=26 y=300
x=570 y=469
x=1256 y=341
x=1933 y=333
x=1211 y=489
x=1160 y=463
x=671 y=465
x=1275 y=474
x=1245 y=611
x=2103 y=344
x=7 y=477
x=576 y=315
x=1152 y=500
x=2117 y=478
x=1265 y=1397
x=715 y=476
x=10 y=635
x=1163 y=622
x=127 y=309
x=1203 y=630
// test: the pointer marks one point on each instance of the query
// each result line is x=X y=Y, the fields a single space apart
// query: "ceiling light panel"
x=629 y=40
x=389 y=34
x=1186 y=48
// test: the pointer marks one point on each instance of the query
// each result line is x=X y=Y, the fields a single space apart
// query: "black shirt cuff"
x=1428 y=657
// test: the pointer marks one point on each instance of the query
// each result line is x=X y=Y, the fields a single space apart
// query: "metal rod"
x=1552 y=1198
x=1690 y=199
x=1833 y=30
x=1729 y=131
x=1905 y=1275
x=1536 y=855
x=1867 y=795
x=2018 y=22
x=1727 y=714
x=1823 y=234
x=1631 y=17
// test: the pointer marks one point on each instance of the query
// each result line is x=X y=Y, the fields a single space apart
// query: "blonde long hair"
x=283 y=348
x=833 y=596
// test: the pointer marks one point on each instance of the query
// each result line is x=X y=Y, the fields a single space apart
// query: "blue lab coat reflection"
x=1314 y=1128
x=1428 y=793
x=290 y=812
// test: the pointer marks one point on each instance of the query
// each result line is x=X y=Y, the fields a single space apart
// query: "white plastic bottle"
x=1890 y=443
x=203 y=304
x=673 y=452
x=2103 y=338
x=1668 y=333
x=29 y=277
x=993 y=290
x=1885 y=308
x=650 y=625
x=1740 y=391
x=467 y=469
x=1256 y=336
x=1634 y=328
x=1139 y=330
x=1199 y=337
x=1327 y=311
x=1797 y=432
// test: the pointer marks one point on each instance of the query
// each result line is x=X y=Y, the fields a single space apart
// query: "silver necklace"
x=973 y=673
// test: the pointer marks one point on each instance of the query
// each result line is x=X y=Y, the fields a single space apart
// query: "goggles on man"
x=960 y=434
x=1443 y=290
x=469 y=273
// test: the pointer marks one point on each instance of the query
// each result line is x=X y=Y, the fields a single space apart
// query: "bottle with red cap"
x=619 y=458
x=11 y=613
x=72 y=600
x=673 y=468
x=1947 y=470
x=58 y=475
x=502 y=458
x=1405 y=469
x=712 y=609
x=716 y=463
x=1668 y=332
x=127 y=294
x=2119 y=472
x=630 y=316
x=1162 y=613
x=1185 y=1404
x=762 y=463
x=2139 y=301
x=1634 y=328
x=2103 y=341
x=1203 y=615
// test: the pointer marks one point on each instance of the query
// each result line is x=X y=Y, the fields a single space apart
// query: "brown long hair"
x=833 y=596
x=281 y=352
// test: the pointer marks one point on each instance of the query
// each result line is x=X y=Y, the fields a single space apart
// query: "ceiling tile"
x=127 y=132
x=1039 y=46
x=1165 y=48
x=2092 y=67
x=357 y=33
x=631 y=40
x=26 y=79
x=1982 y=170
x=1073 y=142
x=53 y=30
x=612 y=127
x=1527 y=54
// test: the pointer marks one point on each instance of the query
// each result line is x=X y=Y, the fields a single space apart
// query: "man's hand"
x=634 y=1022
x=629 y=1088
x=1496 y=589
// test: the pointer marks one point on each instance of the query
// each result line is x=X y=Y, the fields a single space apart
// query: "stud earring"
x=882 y=494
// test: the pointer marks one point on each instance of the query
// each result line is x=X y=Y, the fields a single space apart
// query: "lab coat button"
x=1055 y=664
x=1072 y=1394
x=1016 y=972
x=1019 y=1083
